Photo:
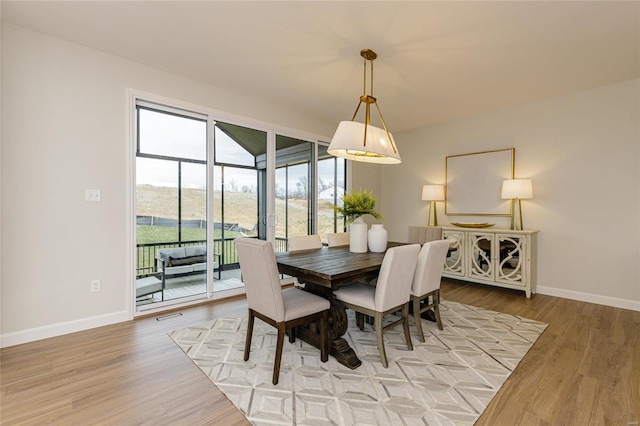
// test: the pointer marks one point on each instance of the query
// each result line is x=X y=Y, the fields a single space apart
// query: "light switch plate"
x=93 y=195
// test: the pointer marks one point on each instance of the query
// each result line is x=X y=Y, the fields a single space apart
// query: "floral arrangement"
x=356 y=204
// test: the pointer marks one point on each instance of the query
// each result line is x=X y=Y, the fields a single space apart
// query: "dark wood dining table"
x=322 y=271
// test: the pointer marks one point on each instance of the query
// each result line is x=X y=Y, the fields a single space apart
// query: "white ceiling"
x=437 y=60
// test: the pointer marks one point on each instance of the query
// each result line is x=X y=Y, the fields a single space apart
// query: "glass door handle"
x=272 y=220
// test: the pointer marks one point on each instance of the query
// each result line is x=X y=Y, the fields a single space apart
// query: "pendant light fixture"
x=358 y=141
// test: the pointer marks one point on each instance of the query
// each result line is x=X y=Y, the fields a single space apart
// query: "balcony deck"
x=186 y=286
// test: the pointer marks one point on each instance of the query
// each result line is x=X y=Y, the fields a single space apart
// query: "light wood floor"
x=584 y=370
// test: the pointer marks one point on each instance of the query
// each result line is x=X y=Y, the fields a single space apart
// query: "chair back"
x=424 y=234
x=338 y=239
x=305 y=242
x=260 y=275
x=430 y=266
x=396 y=275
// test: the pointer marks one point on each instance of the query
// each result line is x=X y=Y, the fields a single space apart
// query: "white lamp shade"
x=517 y=188
x=348 y=142
x=433 y=193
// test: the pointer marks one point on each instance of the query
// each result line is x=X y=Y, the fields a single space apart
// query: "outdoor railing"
x=225 y=248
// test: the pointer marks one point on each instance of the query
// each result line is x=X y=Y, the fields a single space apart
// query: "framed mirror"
x=474 y=183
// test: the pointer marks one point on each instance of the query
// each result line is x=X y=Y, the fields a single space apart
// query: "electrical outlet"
x=95 y=286
x=93 y=195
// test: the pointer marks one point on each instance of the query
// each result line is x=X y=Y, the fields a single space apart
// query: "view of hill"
x=239 y=207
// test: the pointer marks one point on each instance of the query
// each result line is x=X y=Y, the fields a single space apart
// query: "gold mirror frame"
x=474 y=183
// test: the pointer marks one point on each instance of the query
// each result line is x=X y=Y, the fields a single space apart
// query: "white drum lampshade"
x=516 y=190
x=433 y=193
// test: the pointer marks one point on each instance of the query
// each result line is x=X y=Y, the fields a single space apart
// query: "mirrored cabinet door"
x=454 y=263
x=512 y=252
x=482 y=257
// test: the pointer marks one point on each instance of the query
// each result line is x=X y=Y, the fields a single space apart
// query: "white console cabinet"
x=499 y=257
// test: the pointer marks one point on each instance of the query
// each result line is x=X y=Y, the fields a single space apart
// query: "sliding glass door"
x=202 y=183
x=309 y=182
x=294 y=196
x=171 y=205
x=330 y=188
x=239 y=187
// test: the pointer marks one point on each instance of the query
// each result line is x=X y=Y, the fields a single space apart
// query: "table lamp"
x=516 y=190
x=433 y=193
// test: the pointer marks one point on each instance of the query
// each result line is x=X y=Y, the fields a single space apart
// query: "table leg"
x=338 y=346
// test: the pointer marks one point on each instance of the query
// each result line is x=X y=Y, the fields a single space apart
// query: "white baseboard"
x=633 y=305
x=38 y=333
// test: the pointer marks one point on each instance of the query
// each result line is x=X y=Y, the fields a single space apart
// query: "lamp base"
x=433 y=218
x=516 y=215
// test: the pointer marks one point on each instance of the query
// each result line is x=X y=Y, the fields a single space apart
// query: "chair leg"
x=379 y=336
x=279 y=344
x=324 y=338
x=292 y=335
x=416 y=317
x=405 y=325
x=436 y=308
x=360 y=320
x=247 y=342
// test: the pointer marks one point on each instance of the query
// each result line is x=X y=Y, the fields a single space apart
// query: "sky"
x=176 y=136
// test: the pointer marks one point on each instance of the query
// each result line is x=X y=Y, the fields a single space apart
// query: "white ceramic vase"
x=377 y=238
x=358 y=236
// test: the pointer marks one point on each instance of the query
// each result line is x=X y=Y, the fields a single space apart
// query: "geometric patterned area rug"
x=448 y=380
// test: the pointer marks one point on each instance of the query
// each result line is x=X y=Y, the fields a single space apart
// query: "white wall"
x=65 y=116
x=582 y=152
x=368 y=176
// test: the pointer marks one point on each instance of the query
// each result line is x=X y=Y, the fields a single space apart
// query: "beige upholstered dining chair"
x=338 y=239
x=283 y=309
x=424 y=234
x=304 y=242
x=299 y=243
x=426 y=281
x=391 y=293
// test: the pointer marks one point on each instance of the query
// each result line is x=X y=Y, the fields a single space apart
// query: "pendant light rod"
x=370 y=55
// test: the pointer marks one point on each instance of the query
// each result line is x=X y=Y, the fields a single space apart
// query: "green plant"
x=356 y=204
